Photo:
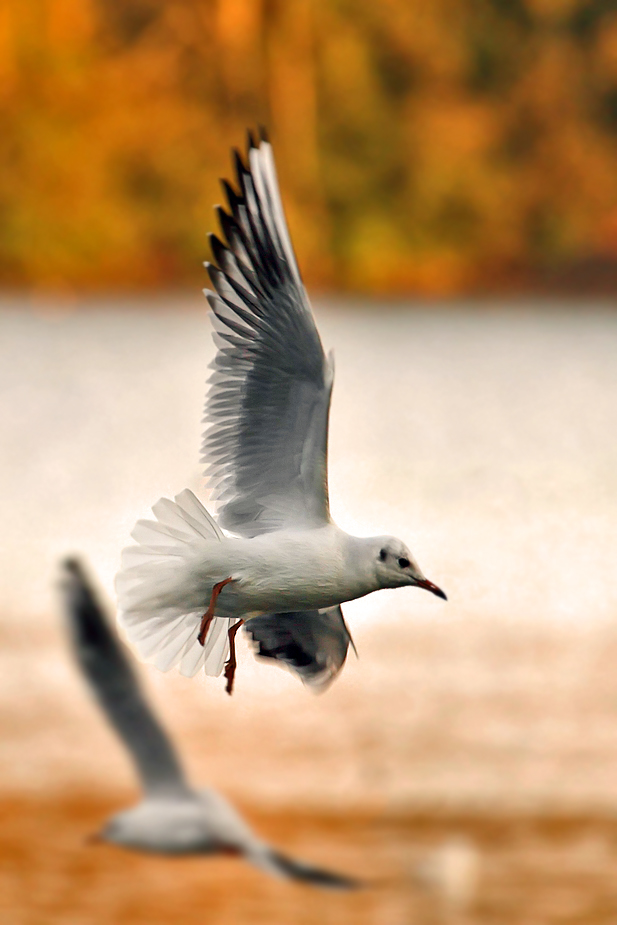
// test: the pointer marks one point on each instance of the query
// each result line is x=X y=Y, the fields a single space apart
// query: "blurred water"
x=484 y=438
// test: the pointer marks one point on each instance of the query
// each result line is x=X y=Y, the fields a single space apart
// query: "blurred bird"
x=172 y=818
x=266 y=447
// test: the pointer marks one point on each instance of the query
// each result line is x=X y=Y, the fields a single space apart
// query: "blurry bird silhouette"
x=172 y=817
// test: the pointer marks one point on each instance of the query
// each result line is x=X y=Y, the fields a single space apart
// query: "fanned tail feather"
x=159 y=587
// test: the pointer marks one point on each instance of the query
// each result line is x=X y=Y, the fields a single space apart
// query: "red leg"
x=230 y=664
x=207 y=618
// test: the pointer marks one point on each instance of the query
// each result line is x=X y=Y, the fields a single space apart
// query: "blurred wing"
x=284 y=866
x=103 y=662
x=269 y=398
x=311 y=643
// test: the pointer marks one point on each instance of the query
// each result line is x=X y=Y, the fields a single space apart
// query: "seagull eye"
x=383 y=554
x=403 y=562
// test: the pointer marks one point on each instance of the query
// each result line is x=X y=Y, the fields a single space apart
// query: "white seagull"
x=186 y=588
x=172 y=818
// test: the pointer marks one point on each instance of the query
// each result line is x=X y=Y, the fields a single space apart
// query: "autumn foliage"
x=443 y=146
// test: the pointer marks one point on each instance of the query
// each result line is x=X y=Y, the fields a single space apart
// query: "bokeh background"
x=460 y=145
x=448 y=171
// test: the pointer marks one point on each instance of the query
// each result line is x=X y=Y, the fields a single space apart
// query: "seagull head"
x=396 y=567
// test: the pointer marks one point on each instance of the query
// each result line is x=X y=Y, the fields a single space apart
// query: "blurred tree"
x=437 y=147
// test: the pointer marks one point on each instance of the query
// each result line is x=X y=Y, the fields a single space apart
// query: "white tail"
x=158 y=604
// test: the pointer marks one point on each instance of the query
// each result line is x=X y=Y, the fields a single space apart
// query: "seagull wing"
x=284 y=866
x=311 y=643
x=268 y=403
x=103 y=662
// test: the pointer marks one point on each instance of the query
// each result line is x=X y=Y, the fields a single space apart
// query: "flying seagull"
x=186 y=587
x=172 y=817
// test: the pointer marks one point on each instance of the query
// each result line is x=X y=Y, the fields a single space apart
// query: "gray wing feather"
x=269 y=398
x=311 y=643
x=103 y=663
x=293 y=869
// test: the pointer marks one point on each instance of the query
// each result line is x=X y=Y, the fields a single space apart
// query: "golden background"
x=442 y=147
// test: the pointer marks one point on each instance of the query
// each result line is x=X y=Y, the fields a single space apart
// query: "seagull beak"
x=429 y=586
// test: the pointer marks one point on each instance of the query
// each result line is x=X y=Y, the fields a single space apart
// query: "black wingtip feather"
x=234 y=200
x=316 y=876
x=239 y=165
x=233 y=196
x=227 y=223
x=218 y=249
x=230 y=223
x=250 y=141
x=214 y=274
x=263 y=134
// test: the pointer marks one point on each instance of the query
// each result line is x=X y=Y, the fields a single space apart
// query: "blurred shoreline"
x=63 y=302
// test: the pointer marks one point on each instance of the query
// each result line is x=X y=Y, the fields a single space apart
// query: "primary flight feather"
x=187 y=586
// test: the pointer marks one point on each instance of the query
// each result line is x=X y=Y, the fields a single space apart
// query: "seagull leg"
x=230 y=664
x=208 y=617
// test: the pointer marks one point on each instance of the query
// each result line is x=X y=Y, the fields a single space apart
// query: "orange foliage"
x=429 y=147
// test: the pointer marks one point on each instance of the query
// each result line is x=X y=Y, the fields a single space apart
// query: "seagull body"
x=184 y=823
x=172 y=818
x=283 y=571
x=266 y=447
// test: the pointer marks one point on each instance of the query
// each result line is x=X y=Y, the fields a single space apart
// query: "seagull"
x=186 y=587
x=172 y=817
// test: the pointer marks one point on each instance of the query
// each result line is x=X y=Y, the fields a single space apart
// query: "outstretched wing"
x=269 y=398
x=105 y=666
x=312 y=643
x=284 y=866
